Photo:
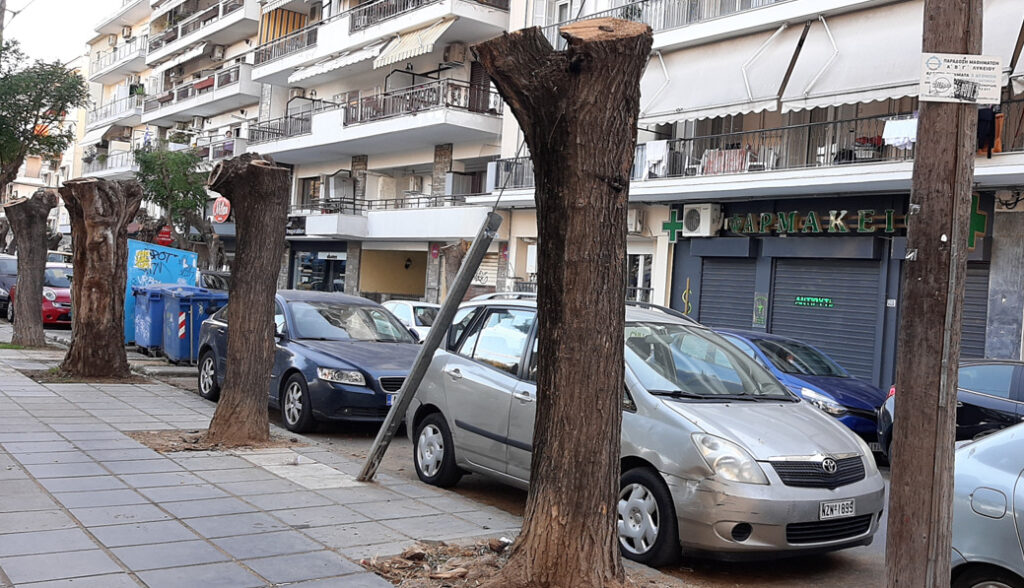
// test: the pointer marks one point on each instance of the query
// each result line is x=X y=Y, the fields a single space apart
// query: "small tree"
x=28 y=219
x=172 y=180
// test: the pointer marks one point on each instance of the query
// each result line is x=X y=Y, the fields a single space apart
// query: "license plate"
x=836 y=510
x=390 y=400
x=875 y=447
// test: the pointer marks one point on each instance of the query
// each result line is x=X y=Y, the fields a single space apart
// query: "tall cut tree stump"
x=578 y=110
x=27 y=217
x=258 y=190
x=100 y=211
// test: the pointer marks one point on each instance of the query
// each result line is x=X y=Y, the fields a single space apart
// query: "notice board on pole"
x=967 y=79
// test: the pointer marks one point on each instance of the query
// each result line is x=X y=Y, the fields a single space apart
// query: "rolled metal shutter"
x=727 y=292
x=842 y=316
x=975 y=313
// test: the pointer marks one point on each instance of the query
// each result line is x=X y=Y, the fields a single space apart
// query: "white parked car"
x=418 y=316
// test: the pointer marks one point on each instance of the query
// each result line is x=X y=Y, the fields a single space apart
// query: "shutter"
x=975 y=313
x=487 y=273
x=845 y=331
x=727 y=292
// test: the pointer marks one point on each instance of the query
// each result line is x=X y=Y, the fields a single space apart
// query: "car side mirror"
x=415 y=335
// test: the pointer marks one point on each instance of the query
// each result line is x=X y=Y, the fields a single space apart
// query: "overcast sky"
x=56 y=29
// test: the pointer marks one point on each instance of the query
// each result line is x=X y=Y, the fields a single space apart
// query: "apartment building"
x=775 y=154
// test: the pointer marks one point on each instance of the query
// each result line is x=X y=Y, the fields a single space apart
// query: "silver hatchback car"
x=718 y=458
x=988 y=512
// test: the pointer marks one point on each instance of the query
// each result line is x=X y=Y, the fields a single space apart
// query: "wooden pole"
x=920 y=504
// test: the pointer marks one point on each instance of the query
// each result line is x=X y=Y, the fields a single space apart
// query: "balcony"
x=223 y=23
x=211 y=151
x=444 y=111
x=415 y=218
x=218 y=92
x=353 y=32
x=126 y=111
x=112 y=66
x=129 y=14
x=118 y=165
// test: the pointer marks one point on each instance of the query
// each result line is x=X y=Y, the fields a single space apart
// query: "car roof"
x=317 y=296
x=412 y=303
x=756 y=335
x=635 y=312
x=56 y=265
x=979 y=361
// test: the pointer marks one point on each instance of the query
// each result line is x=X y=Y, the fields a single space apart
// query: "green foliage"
x=172 y=181
x=35 y=98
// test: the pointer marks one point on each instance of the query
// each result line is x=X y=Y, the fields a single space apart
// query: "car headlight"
x=351 y=377
x=728 y=460
x=4 y=292
x=823 y=402
x=869 y=456
x=49 y=294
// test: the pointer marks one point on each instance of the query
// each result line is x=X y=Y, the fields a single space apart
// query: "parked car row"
x=56 y=307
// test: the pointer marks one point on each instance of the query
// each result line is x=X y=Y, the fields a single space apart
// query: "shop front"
x=825 y=271
x=318 y=265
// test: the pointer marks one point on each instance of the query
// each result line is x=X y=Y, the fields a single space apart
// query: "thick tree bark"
x=454 y=253
x=100 y=212
x=5 y=229
x=53 y=239
x=578 y=110
x=28 y=221
x=918 y=545
x=258 y=191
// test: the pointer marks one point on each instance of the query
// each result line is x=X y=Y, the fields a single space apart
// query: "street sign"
x=967 y=79
x=164 y=236
x=221 y=209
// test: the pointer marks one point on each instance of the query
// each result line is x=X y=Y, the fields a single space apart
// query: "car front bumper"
x=709 y=510
x=340 y=402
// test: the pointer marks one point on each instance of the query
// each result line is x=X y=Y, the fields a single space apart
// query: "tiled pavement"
x=82 y=504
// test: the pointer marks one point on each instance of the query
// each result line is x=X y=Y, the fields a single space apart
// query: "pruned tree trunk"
x=578 y=109
x=28 y=221
x=100 y=212
x=5 y=229
x=148 y=228
x=53 y=239
x=258 y=191
x=454 y=253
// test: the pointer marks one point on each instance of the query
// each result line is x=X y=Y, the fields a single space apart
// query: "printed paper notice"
x=947 y=77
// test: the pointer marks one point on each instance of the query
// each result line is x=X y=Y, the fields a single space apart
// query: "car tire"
x=296 y=410
x=208 y=386
x=10 y=312
x=433 y=452
x=978 y=577
x=645 y=509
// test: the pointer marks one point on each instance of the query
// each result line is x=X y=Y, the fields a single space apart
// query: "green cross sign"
x=979 y=222
x=672 y=226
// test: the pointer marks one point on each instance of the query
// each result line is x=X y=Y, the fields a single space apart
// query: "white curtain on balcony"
x=879 y=53
x=94 y=136
x=339 y=61
x=708 y=80
x=413 y=44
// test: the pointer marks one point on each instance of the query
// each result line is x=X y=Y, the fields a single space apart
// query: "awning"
x=164 y=9
x=193 y=53
x=877 y=53
x=94 y=136
x=339 y=61
x=293 y=5
x=717 y=79
x=413 y=43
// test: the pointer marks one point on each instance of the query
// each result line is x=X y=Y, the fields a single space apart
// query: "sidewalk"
x=82 y=504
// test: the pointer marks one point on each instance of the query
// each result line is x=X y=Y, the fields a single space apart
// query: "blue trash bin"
x=185 y=309
x=149 y=317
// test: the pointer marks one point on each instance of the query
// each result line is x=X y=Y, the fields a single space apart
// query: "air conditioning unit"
x=126 y=32
x=112 y=40
x=296 y=93
x=455 y=53
x=701 y=220
x=197 y=122
x=218 y=52
x=635 y=218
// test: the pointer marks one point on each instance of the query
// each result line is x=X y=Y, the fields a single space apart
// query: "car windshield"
x=792 y=357
x=677 y=360
x=425 y=315
x=346 y=322
x=56 y=277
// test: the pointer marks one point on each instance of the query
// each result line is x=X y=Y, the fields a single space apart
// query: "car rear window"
x=9 y=266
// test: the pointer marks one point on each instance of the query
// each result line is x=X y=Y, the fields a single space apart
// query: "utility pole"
x=3 y=18
x=920 y=503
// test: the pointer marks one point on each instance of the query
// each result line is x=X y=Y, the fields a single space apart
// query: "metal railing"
x=291 y=43
x=210 y=150
x=114 y=109
x=363 y=205
x=523 y=286
x=368 y=15
x=665 y=14
x=116 y=55
x=438 y=94
x=198 y=20
x=291 y=125
x=115 y=160
x=638 y=294
x=214 y=81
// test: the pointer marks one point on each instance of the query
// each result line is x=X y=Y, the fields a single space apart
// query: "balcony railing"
x=195 y=22
x=112 y=110
x=124 y=52
x=214 y=81
x=288 y=44
x=292 y=125
x=211 y=151
x=665 y=14
x=368 y=15
x=439 y=94
x=361 y=205
x=115 y=160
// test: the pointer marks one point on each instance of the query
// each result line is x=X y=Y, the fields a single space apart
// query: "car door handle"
x=523 y=396
x=959 y=404
x=454 y=373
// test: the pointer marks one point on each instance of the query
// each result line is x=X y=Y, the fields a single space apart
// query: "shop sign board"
x=814 y=302
x=863 y=221
x=963 y=79
x=221 y=209
x=296 y=226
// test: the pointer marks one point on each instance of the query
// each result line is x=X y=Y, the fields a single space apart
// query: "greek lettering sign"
x=864 y=221
x=967 y=79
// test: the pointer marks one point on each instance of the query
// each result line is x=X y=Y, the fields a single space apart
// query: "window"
x=9 y=266
x=500 y=340
x=279 y=322
x=792 y=357
x=425 y=315
x=309 y=191
x=993 y=380
x=56 y=277
x=346 y=322
x=638 y=277
x=221 y=315
x=463 y=317
x=741 y=345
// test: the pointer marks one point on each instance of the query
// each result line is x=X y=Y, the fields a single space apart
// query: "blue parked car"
x=338 y=357
x=812 y=375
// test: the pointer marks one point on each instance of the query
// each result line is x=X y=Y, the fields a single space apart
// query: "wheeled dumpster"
x=185 y=309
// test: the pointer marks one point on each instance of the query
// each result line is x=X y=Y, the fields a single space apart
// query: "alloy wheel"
x=638 y=520
x=991 y=584
x=206 y=376
x=293 y=403
x=430 y=450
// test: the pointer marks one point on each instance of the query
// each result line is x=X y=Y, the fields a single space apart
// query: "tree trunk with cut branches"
x=258 y=190
x=453 y=253
x=27 y=217
x=578 y=109
x=100 y=212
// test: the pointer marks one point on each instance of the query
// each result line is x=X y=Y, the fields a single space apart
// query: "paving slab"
x=169 y=555
x=52 y=566
x=87 y=484
x=142 y=533
x=218 y=575
x=207 y=508
x=238 y=524
x=302 y=566
x=104 y=581
x=267 y=544
x=118 y=515
x=100 y=498
x=38 y=542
